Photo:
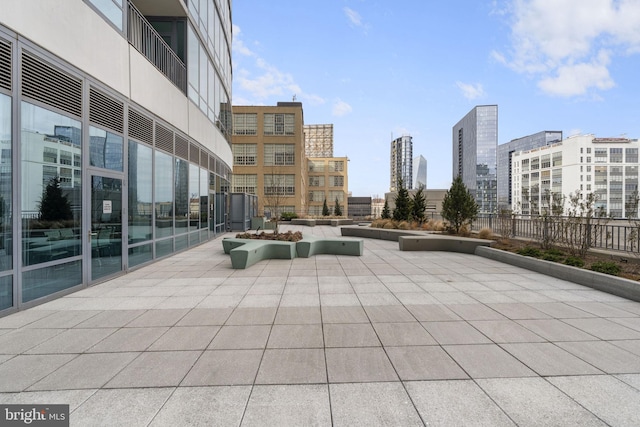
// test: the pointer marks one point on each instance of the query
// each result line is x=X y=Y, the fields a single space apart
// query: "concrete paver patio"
x=389 y=338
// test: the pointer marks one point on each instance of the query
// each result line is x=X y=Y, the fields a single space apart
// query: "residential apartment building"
x=318 y=140
x=401 y=163
x=607 y=167
x=475 y=142
x=269 y=156
x=327 y=180
x=115 y=138
x=505 y=152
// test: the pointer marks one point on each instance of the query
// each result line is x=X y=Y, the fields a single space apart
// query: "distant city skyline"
x=370 y=78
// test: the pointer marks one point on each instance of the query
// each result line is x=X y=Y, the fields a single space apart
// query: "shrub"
x=389 y=225
x=530 y=251
x=555 y=255
x=547 y=256
x=554 y=251
x=485 y=233
x=288 y=216
x=404 y=225
x=606 y=267
x=574 y=261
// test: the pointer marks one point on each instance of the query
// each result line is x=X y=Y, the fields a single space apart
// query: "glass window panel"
x=194 y=196
x=105 y=150
x=163 y=186
x=204 y=198
x=51 y=209
x=140 y=192
x=140 y=254
x=181 y=196
x=6 y=292
x=193 y=67
x=45 y=281
x=111 y=10
x=6 y=180
x=164 y=247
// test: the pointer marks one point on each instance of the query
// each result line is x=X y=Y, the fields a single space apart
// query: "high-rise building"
x=607 y=167
x=318 y=140
x=505 y=151
x=401 y=162
x=268 y=156
x=115 y=144
x=475 y=142
x=419 y=172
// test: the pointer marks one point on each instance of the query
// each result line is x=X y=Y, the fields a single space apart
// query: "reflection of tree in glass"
x=54 y=205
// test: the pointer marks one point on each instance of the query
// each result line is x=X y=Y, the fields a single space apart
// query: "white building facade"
x=607 y=167
x=115 y=129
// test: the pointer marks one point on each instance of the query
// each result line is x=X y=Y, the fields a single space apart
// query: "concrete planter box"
x=378 y=233
x=305 y=222
x=439 y=242
x=603 y=282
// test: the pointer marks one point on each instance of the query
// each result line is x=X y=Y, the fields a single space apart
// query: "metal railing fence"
x=149 y=43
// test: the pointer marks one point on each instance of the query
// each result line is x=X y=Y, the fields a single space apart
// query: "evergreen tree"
x=403 y=204
x=337 y=210
x=458 y=206
x=325 y=209
x=386 y=214
x=54 y=206
x=419 y=205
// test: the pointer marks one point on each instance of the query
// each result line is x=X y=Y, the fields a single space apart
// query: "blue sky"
x=377 y=69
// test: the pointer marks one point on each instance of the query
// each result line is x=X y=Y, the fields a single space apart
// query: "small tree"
x=337 y=210
x=403 y=204
x=54 y=206
x=418 y=205
x=386 y=212
x=458 y=206
x=584 y=223
x=325 y=209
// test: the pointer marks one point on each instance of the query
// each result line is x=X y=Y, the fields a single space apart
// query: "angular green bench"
x=246 y=254
x=311 y=245
x=229 y=243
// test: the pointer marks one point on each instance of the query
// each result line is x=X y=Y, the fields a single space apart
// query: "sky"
x=379 y=69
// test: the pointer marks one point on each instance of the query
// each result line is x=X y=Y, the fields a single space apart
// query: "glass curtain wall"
x=140 y=203
x=51 y=211
x=6 y=229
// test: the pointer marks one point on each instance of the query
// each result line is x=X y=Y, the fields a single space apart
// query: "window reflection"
x=6 y=241
x=204 y=198
x=105 y=149
x=51 y=185
x=140 y=193
x=182 y=196
x=164 y=194
x=194 y=197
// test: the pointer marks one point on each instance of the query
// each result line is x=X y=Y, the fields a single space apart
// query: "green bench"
x=246 y=252
x=311 y=245
x=229 y=243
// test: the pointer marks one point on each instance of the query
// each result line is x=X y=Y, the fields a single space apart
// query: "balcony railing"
x=148 y=42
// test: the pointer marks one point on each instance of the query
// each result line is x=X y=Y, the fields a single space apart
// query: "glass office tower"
x=419 y=172
x=475 y=142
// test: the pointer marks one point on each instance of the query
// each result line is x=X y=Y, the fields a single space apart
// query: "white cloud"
x=238 y=45
x=341 y=108
x=353 y=16
x=576 y=79
x=258 y=81
x=471 y=91
x=556 y=41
